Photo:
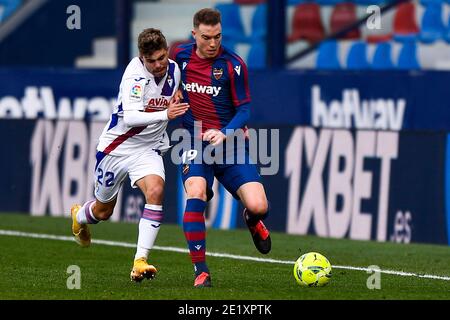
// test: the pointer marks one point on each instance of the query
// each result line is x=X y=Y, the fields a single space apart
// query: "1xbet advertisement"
x=353 y=161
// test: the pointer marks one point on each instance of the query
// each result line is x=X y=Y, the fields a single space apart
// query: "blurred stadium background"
x=359 y=91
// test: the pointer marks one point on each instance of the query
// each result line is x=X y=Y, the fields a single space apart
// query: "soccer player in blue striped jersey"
x=214 y=81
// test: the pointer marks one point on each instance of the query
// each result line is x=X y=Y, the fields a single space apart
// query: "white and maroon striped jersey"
x=139 y=90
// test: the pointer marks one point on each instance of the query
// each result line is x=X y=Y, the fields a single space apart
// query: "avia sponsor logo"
x=40 y=102
x=352 y=112
x=156 y=104
x=198 y=88
x=333 y=192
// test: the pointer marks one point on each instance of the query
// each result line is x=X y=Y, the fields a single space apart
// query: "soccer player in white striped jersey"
x=132 y=143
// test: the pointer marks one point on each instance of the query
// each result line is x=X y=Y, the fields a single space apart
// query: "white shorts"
x=111 y=172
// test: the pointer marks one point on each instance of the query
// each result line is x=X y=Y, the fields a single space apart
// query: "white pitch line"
x=212 y=254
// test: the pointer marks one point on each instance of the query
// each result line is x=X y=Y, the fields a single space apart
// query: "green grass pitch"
x=35 y=268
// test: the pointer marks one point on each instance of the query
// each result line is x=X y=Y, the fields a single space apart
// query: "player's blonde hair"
x=207 y=16
x=151 y=40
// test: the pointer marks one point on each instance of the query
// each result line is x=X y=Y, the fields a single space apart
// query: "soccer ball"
x=312 y=269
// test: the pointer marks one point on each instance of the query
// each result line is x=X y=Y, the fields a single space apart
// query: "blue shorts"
x=236 y=169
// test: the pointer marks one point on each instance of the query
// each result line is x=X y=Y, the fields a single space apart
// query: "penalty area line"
x=214 y=254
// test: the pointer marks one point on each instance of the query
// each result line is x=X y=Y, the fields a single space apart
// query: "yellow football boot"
x=141 y=270
x=80 y=231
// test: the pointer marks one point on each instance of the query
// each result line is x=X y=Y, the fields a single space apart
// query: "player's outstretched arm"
x=239 y=120
x=136 y=118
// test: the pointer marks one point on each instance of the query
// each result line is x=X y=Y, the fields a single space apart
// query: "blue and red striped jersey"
x=214 y=87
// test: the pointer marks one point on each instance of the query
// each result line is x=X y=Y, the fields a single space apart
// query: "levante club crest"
x=217 y=73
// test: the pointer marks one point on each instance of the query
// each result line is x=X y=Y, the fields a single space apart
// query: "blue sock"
x=195 y=233
x=200 y=267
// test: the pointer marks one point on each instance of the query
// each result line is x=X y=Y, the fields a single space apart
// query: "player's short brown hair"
x=151 y=40
x=207 y=16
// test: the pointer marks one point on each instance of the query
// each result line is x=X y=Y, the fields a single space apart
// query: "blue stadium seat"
x=382 y=57
x=294 y=2
x=245 y=2
x=432 y=28
x=447 y=31
x=407 y=59
x=256 y=58
x=357 y=56
x=8 y=6
x=426 y=2
x=369 y=2
x=232 y=27
x=328 y=2
x=259 y=22
x=327 y=57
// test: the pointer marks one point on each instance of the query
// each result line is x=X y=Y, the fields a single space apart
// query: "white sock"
x=85 y=215
x=148 y=229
